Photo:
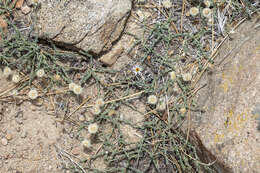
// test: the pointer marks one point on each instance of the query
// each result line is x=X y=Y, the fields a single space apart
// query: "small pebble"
x=8 y=136
x=4 y=141
x=19 y=121
x=71 y=135
x=25 y=9
x=76 y=151
x=24 y=134
x=18 y=129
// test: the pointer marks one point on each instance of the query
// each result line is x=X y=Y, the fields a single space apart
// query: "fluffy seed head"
x=16 y=78
x=86 y=143
x=167 y=4
x=33 y=94
x=57 y=77
x=96 y=110
x=71 y=86
x=152 y=99
x=206 y=12
x=183 y=110
x=100 y=102
x=207 y=3
x=40 y=73
x=194 y=11
x=210 y=21
x=7 y=71
x=161 y=106
x=14 y=92
x=172 y=75
x=186 y=77
x=77 y=89
x=93 y=128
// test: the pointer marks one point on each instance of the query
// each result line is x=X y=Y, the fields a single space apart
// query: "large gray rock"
x=91 y=25
x=231 y=99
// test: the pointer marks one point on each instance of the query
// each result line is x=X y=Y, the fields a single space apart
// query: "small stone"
x=18 y=129
x=110 y=58
x=76 y=151
x=81 y=118
x=8 y=136
x=25 y=9
x=71 y=135
x=19 y=121
x=4 y=141
x=38 y=102
x=24 y=134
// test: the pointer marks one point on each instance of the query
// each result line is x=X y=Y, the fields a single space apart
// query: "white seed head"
x=93 y=128
x=172 y=75
x=167 y=4
x=71 y=86
x=194 y=11
x=100 y=102
x=16 y=78
x=206 y=12
x=207 y=3
x=14 y=92
x=152 y=99
x=7 y=71
x=77 y=89
x=86 y=143
x=33 y=94
x=186 y=77
x=81 y=118
x=210 y=21
x=57 y=77
x=161 y=106
x=183 y=110
x=40 y=73
x=96 y=110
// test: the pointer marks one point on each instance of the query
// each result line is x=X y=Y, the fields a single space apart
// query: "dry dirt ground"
x=34 y=138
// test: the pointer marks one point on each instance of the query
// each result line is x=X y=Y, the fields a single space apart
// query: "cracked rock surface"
x=89 y=25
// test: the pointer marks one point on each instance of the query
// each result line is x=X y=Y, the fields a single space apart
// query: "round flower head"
x=161 y=106
x=207 y=3
x=93 y=128
x=57 y=77
x=40 y=73
x=100 y=102
x=167 y=4
x=7 y=71
x=77 y=89
x=206 y=12
x=183 y=110
x=14 y=93
x=186 y=77
x=194 y=11
x=172 y=75
x=16 y=78
x=33 y=94
x=152 y=99
x=86 y=143
x=137 y=69
x=71 y=86
x=96 y=110
x=210 y=21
